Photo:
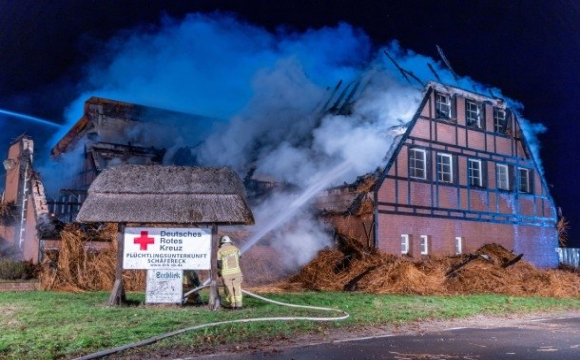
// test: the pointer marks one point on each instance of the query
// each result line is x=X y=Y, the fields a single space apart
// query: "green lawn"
x=49 y=325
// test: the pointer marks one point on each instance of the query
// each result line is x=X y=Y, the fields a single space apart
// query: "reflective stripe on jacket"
x=229 y=255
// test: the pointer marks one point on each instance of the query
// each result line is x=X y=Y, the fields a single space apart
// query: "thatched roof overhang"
x=167 y=195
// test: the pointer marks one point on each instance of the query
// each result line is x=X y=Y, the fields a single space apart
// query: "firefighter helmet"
x=225 y=239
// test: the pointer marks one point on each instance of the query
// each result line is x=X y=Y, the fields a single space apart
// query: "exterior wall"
x=13 y=180
x=522 y=221
x=13 y=186
x=354 y=227
x=20 y=286
x=7 y=233
x=536 y=243
x=30 y=245
x=20 y=183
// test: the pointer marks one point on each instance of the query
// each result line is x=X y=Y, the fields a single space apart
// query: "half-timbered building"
x=462 y=175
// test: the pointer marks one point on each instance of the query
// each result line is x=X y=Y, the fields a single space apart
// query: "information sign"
x=164 y=287
x=167 y=248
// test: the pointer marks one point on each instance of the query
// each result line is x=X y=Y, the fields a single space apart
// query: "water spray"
x=29 y=118
x=291 y=210
x=284 y=216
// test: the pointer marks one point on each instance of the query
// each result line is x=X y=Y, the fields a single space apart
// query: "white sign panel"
x=167 y=248
x=164 y=287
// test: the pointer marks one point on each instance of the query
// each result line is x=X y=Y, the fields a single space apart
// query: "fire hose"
x=154 y=339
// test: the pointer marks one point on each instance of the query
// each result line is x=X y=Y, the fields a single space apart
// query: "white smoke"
x=270 y=88
x=283 y=132
x=290 y=140
x=297 y=238
x=531 y=131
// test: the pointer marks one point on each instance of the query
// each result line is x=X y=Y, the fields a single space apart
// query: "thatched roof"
x=335 y=201
x=166 y=194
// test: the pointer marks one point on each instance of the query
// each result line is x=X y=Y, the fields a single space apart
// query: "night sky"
x=528 y=49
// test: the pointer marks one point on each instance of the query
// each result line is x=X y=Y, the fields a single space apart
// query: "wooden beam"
x=214 y=296
x=117 y=296
x=454 y=268
x=512 y=261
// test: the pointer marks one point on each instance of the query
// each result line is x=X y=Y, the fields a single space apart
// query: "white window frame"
x=471 y=173
x=472 y=114
x=424 y=244
x=405 y=244
x=441 y=173
x=413 y=168
x=502 y=183
x=442 y=106
x=458 y=245
x=524 y=187
x=499 y=116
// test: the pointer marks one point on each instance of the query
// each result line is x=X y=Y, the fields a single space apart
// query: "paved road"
x=534 y=339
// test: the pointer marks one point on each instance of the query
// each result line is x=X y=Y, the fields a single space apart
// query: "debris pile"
x=86 y=261
x=491 y=269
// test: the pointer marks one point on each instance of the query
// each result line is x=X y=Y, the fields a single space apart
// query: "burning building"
x=458 y=176
x=108 y=133
x=24 y=215
x=112 y=132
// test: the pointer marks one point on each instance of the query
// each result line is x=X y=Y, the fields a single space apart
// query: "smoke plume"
x=269 y=89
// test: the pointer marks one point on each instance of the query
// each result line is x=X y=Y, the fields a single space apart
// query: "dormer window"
x=473 y=114
x=499 y=120
x=442 y=106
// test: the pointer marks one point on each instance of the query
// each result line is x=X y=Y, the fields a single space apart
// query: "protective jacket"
x=228 y=256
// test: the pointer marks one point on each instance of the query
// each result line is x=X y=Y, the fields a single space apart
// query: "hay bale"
x=382 y=273
x=86 y=261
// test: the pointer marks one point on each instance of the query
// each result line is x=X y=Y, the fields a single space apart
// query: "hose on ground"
x=186 y=295
x=154 y=339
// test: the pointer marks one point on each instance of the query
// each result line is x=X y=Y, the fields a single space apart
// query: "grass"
x=51 y=325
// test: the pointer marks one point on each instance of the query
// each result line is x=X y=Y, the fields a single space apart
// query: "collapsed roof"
x=116 y=122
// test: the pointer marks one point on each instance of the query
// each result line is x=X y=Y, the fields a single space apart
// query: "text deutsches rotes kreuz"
x=148 y=248
x=175 y=244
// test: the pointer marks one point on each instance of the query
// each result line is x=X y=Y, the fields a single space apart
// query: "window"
x=442 y=106
x=472 y=114
x=499 y=123
x=445 y=168
x=404 y=243
x=475 y=176
x=424 y=245
x=503 y=180
x=458 y=245
x=524 y=180
x=418 y=164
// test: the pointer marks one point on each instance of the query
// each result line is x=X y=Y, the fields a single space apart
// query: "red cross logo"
x=144 y=240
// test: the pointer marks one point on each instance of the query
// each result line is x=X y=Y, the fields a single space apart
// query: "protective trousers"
x=233 y=289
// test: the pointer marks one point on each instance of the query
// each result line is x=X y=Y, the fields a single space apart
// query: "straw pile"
x=482 y=272
x=86 y=260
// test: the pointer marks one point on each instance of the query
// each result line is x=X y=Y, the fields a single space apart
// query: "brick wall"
x=536 y=243
x=524 y=222
x=20 y=286
x=355 y=227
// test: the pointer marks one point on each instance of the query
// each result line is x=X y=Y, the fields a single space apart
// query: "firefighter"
x=229 y=270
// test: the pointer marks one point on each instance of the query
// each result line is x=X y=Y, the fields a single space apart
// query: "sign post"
x=214 y=295
x=117 y=296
